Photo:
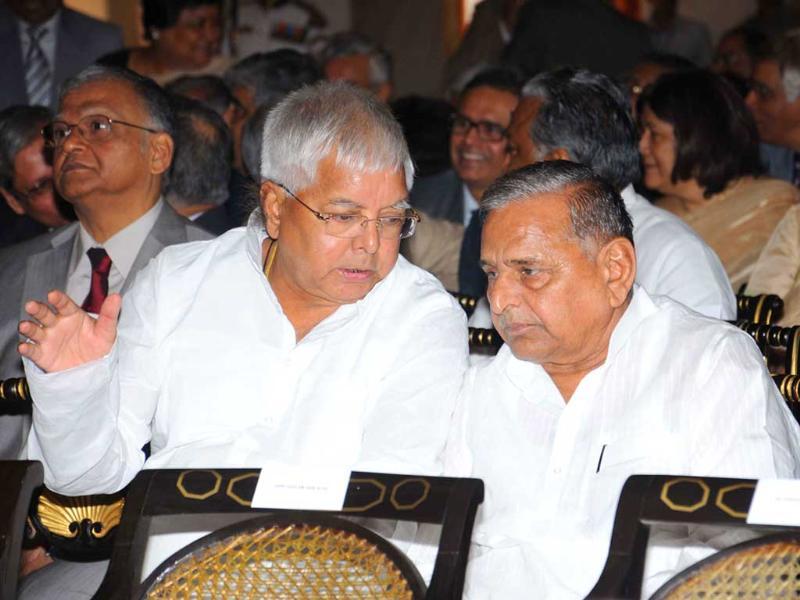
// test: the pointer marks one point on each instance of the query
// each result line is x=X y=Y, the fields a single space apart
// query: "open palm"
x=65 y=336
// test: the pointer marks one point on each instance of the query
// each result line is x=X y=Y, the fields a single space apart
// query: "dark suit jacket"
x=31 y=269
x=81 y=40
x=216 y=220
x=440 y=196
x=578 y=33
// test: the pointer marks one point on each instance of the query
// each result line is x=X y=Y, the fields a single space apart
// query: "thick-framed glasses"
x=93 y=129
x=350 y=225
x=487 y=131
x=41 y=187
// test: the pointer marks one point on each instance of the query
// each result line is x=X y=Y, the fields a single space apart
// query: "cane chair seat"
x=767 y=567
x=284 y=558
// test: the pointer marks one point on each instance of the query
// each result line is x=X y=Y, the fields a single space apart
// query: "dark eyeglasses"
x=93 y=129
x=487 y=131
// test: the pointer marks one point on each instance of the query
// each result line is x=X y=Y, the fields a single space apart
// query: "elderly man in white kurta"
x=302 y=338
x=597 y=381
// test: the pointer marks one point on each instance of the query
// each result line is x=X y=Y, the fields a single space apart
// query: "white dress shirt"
x=672 y=260
x=470 y=204
x=207 y=368
x=679 y=393
x=123 y=248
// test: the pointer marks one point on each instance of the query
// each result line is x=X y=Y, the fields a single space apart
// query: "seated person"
x=597 y=381
x=699 y=149
x=302 y=338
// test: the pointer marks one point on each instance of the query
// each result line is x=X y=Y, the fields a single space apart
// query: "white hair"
x=331 y=118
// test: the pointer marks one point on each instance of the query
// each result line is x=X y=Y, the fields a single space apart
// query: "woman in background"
x=699 y=149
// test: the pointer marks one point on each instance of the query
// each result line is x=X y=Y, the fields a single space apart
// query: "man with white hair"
x=302 y=338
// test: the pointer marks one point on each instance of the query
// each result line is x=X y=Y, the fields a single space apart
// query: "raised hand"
x=67 y=337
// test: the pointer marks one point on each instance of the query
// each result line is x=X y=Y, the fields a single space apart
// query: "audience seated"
x=353 y=57
x=479 y=151
x=775 y=103
x=112 y=143
x=584 y=117
x=198 y=182
x=42 y=44
x=738 y=50
x=650 y=68
x=303 y=338
x=699 y=148
x=26 y=176
x=184 y=36
x=598 y=380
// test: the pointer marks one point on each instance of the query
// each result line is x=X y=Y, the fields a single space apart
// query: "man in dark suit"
x=579 y=33
x=43 y=44
x=480 y=153
x=112 y=142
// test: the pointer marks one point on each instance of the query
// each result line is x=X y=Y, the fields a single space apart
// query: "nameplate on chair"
x=775 y=502
x=301 y=487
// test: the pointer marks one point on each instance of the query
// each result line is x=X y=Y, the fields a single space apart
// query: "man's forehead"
x=109 y=97
x=538 y=218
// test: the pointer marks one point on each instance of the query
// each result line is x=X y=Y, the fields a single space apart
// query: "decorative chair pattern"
x=763 y=309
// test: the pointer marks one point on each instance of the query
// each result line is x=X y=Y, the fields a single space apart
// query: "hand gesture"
x=67 y=336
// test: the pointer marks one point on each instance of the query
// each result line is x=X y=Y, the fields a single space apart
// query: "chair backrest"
x=468 y=303
x=767 y=567
x=15 y=397
x=762 y=309
x=450 y=502
x=303 y=555
x=786 y=339
x=647 y=500
x=484 y=341
x=18 y=480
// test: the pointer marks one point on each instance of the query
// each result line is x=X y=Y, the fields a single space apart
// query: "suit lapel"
x=47 y=270
x=168 y=229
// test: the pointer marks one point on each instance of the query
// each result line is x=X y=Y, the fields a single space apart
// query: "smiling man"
x=302 y=338
x=597 y=381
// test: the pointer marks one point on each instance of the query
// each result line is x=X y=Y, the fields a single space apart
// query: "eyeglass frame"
x=476 y=125
x=326 y=217
x=71 y=126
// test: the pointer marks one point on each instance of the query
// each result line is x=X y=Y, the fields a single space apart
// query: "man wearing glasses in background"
x=302 y=338
x=111 y=146
x=480 y=153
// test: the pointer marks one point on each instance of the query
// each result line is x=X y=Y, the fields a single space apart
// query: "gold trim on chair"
x=63 y=515
x=685 y=507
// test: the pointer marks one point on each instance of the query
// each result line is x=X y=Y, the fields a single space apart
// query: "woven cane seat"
x=768 y=567
x=276 y=558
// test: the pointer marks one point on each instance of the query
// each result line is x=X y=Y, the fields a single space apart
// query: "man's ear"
x=558 y=154
x=12 y=201
x=161 y=150
x=617 y=262
x=272 y=198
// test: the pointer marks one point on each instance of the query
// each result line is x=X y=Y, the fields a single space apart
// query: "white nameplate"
x=301 y=487
x=775 y=502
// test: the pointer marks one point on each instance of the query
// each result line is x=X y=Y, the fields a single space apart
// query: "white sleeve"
x=91 y=422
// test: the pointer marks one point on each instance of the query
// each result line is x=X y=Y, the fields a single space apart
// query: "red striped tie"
x=98 y=289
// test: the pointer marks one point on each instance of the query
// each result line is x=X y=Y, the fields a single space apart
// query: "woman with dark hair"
x=699 y=149
x=184 y=36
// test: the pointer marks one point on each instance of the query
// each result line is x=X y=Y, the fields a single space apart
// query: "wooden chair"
x=18 y=480
x=648 y=500
x=468 y=303
x=450 y=502
x=779 y=345
x=763 y=309
x=484 y=341
x=15 y=397
x=789 y=386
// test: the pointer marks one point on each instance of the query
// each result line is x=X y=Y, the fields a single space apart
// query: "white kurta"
x=206 y=367
x=678 y=394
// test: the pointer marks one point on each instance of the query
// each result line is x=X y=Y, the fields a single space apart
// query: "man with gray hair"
x=597 y=381
x=584 y=117
x=353 y=57
x=333 y=350
x=198 y=182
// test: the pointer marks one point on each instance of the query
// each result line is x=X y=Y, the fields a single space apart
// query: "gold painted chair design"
x=468 y=303
x=648 y=500
x=291 y=554
x=762 y=309
x=779 y=345
x=484 y=341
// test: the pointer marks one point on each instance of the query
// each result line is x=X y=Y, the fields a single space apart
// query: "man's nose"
x=368 y=238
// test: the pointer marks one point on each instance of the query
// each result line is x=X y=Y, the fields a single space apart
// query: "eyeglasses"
x=351 y=225
x=487 y=131
x=39 y=188
x=93 y=129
